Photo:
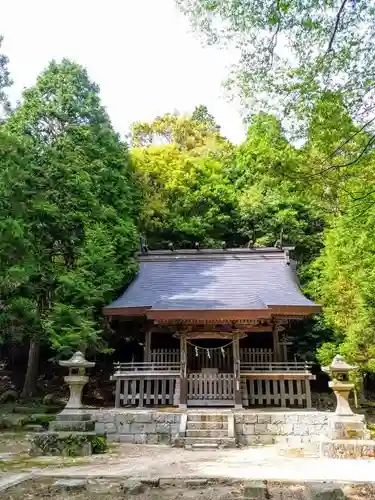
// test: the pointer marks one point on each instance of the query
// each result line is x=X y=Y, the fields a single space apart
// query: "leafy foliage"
x=188 y=199
x=5 y=82
x=67 y=208
x=292 y=52
x=268 y=202
x=198 y=134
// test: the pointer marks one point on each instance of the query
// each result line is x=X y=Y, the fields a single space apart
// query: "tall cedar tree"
x=5 y=83
x=67 y=213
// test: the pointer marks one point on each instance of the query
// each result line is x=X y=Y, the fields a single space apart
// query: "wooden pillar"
x=183 y=372
x=276 y=343
x=308 y=393
x=147 y=347
x=236 y=371
x=118 y=393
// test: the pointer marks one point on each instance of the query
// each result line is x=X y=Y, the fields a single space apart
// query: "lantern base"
x=347 y=427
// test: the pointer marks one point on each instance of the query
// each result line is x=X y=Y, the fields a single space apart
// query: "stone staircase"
x=207 y=430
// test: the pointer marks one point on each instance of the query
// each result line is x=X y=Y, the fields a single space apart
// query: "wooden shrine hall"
x=215 y=325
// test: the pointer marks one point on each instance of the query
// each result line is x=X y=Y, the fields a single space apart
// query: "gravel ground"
x=107 y=490
x=264 y=462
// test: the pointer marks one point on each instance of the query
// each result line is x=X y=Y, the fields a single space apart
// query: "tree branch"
x=273 y=41
x=338 y=18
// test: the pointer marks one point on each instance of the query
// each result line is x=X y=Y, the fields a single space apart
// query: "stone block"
x=349 y=449
x=173 y=418
x=313 y=418
x=301 y=429
x=73 y=416
x=248 y=428
x=171 y=481
x=260 y=428
x=160 y=417
x=264 y=418
x=174 y=429
x=242 y=440
x=195 y=483
x=70 y=484
x=256 y=490
x=153 y=439
x=123 y=427
x=162 y=428
x=101 y=486
x=140 y=438
x=347 y=427
x=144 y=417
x=109 y=428
x=292 y=418
x=133 y=487
x=137 y=428
x=251 y=440
x=274 y=428
x=164 y=438
x=152 y=482
x=104 y=416
x=324 y=492
x=99 y=427
x=239 y=418
x=125 y=438
x=265 y=439
x=287 y=429
x=277 y=418
x=250 y=418
x=50 y=443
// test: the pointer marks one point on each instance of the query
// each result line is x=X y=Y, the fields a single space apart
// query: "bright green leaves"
x=68 y=203
x=293 y=52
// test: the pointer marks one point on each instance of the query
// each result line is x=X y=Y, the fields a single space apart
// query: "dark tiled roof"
x=214 y=279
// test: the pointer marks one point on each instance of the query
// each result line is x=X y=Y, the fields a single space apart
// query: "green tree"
x=268 y=202
x=343 y=280
x=5 y=83
x=67 y=213
x=188 y=198
x=291 y=52
x=197 y=133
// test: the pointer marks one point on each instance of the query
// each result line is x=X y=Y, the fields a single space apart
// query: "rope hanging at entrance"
x=208 y=351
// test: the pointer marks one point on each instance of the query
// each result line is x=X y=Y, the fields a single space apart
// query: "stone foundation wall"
x=143 y=427
x=251 y=428
x=292 y=428
x=350 y=448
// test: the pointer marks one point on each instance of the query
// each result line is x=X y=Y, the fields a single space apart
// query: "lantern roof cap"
x=77 y=361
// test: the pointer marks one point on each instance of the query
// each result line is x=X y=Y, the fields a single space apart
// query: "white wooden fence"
x=285 y=390
x=210 y=388
x=141 y=391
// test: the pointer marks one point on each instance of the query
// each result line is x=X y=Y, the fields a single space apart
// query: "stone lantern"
x=339 y=371
x=76 y=379
x=344 y=423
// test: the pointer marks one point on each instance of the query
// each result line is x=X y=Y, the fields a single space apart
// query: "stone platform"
x=251 y=427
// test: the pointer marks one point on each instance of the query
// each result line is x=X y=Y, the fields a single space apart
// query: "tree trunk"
x=29 y=387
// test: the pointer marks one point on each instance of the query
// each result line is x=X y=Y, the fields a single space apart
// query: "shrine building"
x=215 y=325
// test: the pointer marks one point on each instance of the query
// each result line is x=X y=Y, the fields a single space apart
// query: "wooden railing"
x=287 y=366
x=143 y=390
x=214 y=358
x=286 y=389
x=214 y=387
x=125 y=369
x=165 y=355
x=250 y=355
